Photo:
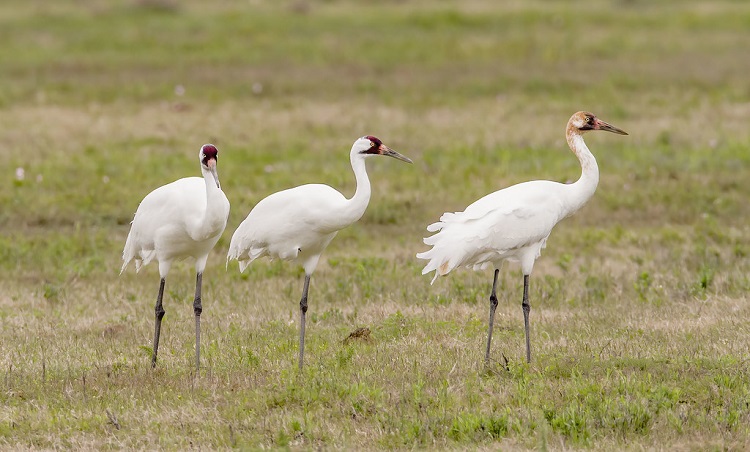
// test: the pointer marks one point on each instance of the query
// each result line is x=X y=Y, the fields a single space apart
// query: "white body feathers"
x=295 y=224
x=511 y=224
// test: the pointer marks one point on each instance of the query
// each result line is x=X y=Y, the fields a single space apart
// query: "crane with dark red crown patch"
x=299 y=223
x=182 y=219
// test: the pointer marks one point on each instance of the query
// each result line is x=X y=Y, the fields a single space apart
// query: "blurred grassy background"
x=102 y=101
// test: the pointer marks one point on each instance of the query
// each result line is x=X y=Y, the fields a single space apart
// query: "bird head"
x=208 y=156
x=370 y=145
x=584 y=121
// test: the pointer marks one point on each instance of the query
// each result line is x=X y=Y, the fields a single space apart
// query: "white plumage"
x=294 y=224
x=514 y=223
x=299 y=223
x=182 y=219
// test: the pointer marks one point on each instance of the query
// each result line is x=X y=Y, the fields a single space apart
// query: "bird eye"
x=589 y=119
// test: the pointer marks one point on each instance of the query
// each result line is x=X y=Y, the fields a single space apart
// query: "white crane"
x=175 y=221
x=514 y=223
x=299 y=223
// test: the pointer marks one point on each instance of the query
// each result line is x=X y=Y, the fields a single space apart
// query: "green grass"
x=639 y=328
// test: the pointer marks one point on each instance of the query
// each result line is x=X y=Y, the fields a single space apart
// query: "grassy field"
x=640 y=321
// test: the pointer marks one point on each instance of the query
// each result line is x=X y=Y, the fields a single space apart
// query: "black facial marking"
x=588 y=124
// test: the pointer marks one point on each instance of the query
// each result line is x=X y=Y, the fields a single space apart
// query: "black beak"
x=609 y=127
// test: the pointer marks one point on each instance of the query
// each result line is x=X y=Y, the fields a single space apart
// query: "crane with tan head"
x=514 y=223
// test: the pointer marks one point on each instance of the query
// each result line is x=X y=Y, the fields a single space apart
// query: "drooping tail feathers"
x=244 y=256
x=439 y=256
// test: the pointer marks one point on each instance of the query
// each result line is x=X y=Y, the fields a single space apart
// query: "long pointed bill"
x=385 y=150
x=211 y=163
x=609 y=128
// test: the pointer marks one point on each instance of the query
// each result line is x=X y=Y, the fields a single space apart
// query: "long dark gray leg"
x=302 y=311
x=493 y=306
x=198 y=309
x=159 y=311
x=526 y=308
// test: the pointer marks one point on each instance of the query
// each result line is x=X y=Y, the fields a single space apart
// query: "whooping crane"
x=514 y=223
x=182 y=219
x=299 y=223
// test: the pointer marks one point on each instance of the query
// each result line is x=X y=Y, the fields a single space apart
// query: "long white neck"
x=356 y=206
x=583 y=189
x=215 y=215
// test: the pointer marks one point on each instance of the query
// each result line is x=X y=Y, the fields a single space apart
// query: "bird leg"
x=526 y=308
x=159 y=311
x=493 y=306
x=302 y=311
x=198 y=309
